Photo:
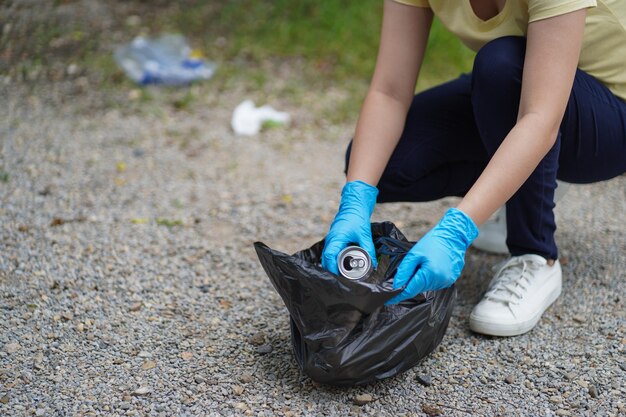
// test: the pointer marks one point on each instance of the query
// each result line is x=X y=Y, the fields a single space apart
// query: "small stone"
x=425 y=380
x=72 y=69
x=510 y=379
x=198 y=268
x=199 y=379
x=237 y=389
x=555 y=399
x=263 y=349
x=12 y=347
x=136 y=306
x=147 y=365
x=562 y=412
x=144 y=354
x=40 y=412
x=246 y=378
x=133 y=20
x=257 y=339
x=67 y=316
x=570 y=376
x=623 y=366
x=4 y=399
x=363 y=399
x=593 y=391
x=26 y=377
x=431 y=411
x=579 y=319
x=186 y=355
x=80 y=327
x=241 y=406
x=134 y=94
x=582 y=383
x=141 y=391
x=125 y=405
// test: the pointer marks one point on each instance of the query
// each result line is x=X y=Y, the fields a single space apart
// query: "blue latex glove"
x=436 y=261
x=351 y=224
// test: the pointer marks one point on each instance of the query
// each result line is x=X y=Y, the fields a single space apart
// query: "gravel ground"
x=129 y=285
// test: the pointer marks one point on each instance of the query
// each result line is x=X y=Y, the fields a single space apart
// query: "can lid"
x=354 y=263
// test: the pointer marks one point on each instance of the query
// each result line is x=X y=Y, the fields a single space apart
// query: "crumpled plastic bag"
x=341 y=331
x=248 y=119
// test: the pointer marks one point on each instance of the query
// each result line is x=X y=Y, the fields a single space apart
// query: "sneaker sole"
x=515 y=329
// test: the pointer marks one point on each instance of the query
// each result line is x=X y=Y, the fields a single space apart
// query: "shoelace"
x=512 y=281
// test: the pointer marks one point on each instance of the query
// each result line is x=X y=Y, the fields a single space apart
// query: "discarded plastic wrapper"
x=341 y=330
x=167 y=59
x=248 y=119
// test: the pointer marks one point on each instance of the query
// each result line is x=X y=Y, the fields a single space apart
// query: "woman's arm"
x=552 y=53
x=402 y=45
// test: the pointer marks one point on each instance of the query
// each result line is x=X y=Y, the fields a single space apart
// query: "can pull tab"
x=357 y=263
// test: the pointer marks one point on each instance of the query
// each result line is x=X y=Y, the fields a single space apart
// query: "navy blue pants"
x=452 y=131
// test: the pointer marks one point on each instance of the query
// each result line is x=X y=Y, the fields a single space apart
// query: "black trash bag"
x=341 y=331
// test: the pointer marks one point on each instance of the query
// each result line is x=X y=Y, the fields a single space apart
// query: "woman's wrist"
x=360 y=193
x=470 y=212
x=458 y=220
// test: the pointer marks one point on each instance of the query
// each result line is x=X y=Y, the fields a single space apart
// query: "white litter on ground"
x=248 y=119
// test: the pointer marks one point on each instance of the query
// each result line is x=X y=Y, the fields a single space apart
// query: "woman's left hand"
x=436 y=261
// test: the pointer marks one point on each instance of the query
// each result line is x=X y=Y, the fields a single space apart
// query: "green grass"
x=322 y=42
x=316 y=45
x=4 y=176
x=161 y=221
x=329 y=43
x=337 y=40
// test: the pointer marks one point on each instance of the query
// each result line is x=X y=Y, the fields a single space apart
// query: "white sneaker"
x=492 y=234
x=522 y=289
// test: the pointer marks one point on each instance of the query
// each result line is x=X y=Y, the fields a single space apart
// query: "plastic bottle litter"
x=248 y=119
x=167 y=59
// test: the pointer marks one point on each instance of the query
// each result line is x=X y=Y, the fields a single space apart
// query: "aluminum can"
x=354 y=263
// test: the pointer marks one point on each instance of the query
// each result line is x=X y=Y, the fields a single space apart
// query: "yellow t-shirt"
x=603 y=53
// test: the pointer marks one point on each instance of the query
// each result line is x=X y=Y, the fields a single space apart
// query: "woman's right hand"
x=351 y=224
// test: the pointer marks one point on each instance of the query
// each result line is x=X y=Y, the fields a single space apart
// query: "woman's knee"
x=496 y=89
x=498 y=65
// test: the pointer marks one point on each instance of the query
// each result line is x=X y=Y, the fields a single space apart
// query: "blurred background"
x=310 y=45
